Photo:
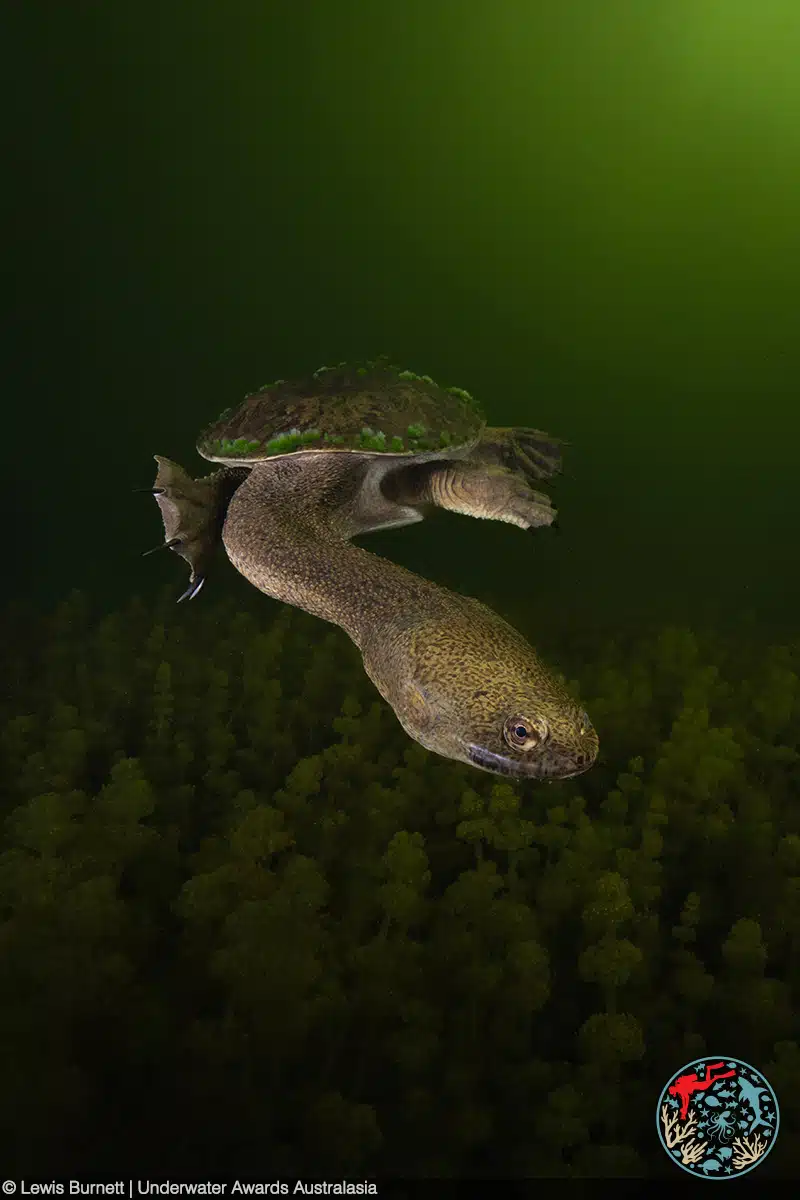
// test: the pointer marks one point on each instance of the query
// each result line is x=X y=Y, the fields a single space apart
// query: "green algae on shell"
x=370 y=407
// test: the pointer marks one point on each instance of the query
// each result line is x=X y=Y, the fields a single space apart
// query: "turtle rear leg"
x=527 y=452
x=193 y=512
x=472 y=488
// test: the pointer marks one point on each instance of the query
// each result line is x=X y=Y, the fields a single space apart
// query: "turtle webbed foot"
x=528 y=452
x=475 y=489
x=192 y=511
x=518 y=503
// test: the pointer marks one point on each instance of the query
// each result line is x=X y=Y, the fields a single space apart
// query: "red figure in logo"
x=685 y=1085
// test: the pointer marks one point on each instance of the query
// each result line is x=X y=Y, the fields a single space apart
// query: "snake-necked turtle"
x=308 y=464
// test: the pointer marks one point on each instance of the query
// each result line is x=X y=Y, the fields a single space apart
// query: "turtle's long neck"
x=287 y=530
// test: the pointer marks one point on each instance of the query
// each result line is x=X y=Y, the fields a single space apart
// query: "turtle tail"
x=193 y=512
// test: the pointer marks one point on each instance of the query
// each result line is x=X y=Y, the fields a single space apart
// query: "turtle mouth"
x=497 y=763
x=543 y=769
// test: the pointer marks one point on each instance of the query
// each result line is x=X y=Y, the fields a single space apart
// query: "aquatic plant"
x=293 y=439
x=461 y=393
x=372 y=439
x=233 y=447
x=226 y=874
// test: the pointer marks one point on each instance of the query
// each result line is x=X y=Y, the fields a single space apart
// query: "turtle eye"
x=523 y=733
x=586 y=724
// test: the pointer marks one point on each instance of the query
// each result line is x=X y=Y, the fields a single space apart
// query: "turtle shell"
x=371 y=407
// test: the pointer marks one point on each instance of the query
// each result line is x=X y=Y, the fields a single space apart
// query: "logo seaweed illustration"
x=717 y=1118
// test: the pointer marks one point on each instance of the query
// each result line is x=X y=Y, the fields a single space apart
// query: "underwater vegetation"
x=417 y=438
x=245 y=924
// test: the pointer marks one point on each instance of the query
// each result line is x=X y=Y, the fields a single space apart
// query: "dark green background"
x=585 y=213
x=243 y=918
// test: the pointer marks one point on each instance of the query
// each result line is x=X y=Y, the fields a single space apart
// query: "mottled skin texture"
x=457 y=676
x=489 y=479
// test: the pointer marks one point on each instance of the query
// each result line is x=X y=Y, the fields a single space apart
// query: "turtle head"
x=469 y=687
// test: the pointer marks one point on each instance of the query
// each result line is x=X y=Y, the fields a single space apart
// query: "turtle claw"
x=170 y=545
x=193 y=588
x=527 y=508
x=553 y=524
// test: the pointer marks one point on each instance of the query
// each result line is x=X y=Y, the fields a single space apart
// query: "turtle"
x=306 y=465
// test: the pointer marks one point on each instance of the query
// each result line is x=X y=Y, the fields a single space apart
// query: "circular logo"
x=717 y=1118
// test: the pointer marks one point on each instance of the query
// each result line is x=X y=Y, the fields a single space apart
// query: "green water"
x=586 y=215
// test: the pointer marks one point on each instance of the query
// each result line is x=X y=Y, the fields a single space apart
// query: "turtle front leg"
x=193 y=512
x=472 y=488
x=528 y=452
